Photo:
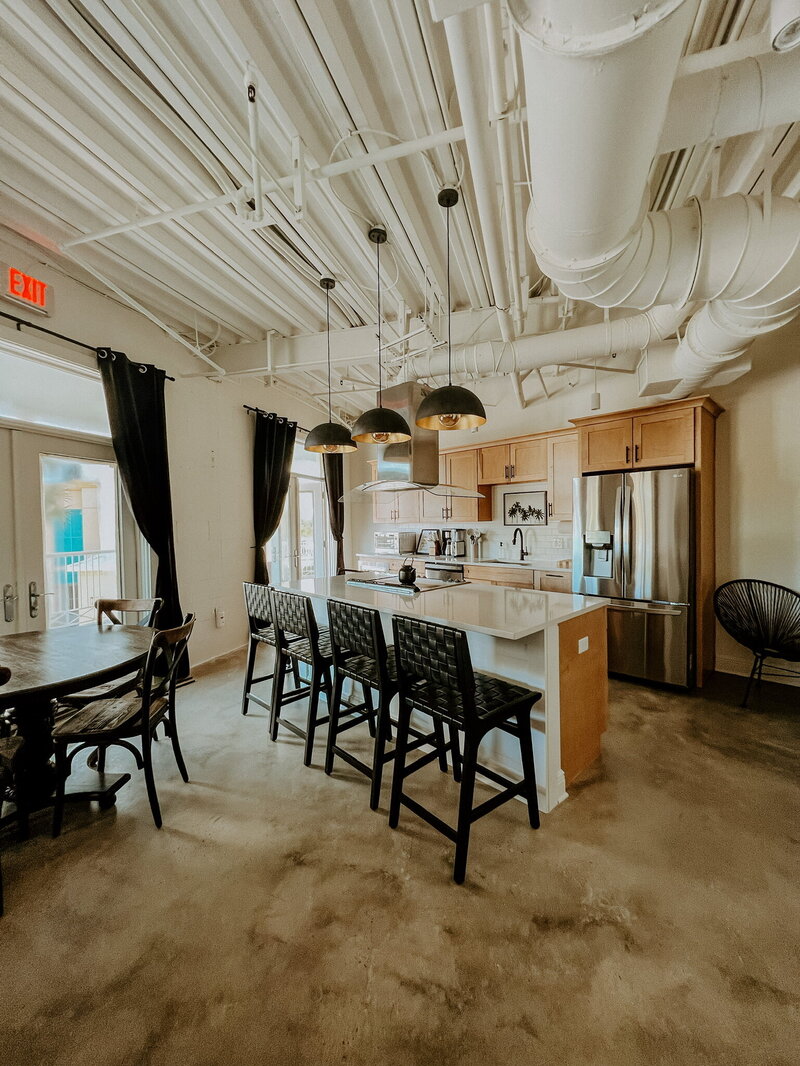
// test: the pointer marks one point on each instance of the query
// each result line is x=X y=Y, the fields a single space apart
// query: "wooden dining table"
x=56 y=662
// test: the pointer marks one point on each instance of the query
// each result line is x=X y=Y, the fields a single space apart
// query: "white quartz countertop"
x=496 y=610
x=531 y=563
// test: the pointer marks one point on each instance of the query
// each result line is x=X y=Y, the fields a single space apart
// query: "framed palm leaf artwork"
x=525 y=508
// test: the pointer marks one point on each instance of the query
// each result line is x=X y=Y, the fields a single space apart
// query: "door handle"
x=549 y=510
x=627 y=453
x=33 y=599
x=513 y=470
x=505 y=473
x=9 y=602
x=636 y=453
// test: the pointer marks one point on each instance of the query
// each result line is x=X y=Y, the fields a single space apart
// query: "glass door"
x=66 y=535
x=301 y=546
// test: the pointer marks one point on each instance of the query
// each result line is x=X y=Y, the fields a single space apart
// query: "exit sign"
x=27 y=290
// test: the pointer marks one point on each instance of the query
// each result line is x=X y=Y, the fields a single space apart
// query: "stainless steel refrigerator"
x=633 y=542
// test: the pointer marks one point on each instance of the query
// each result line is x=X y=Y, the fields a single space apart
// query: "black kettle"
x=407 y=575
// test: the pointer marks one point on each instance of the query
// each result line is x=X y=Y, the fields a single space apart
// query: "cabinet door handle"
x=513 y=469
x=505 y=472
x=627 y=453
x=636 y=453
x=549 y=510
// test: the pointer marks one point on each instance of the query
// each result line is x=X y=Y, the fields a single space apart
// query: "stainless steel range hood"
x=412 y=464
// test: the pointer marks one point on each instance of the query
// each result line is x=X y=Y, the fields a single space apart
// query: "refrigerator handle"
x=619 y=540
x=625 y=507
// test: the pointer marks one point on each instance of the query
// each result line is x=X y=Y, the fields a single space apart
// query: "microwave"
x=388 y=542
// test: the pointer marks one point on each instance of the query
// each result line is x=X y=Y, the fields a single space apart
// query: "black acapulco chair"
x=765 y=618
x=123 y=719
x=435 y=673
x=262 y=632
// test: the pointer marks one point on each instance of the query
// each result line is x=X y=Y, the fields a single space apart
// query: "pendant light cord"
x=380 y=380
x=449 y=335
x=328 y=334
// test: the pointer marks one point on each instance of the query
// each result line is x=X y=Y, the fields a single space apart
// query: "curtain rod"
x=258 y=411
x=52 y=333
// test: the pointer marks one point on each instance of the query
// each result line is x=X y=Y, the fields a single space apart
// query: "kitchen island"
x=550 y=641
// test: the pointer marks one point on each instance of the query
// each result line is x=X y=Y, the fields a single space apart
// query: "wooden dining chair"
x=118 y=613
x=123 y=719
x=10 y=747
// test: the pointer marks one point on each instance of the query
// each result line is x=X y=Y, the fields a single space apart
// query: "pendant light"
x=380 y=425
x=329 y=437
x=451 y=407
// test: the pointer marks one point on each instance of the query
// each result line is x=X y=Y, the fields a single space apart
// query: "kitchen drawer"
x=554 y=580
x=518 y=576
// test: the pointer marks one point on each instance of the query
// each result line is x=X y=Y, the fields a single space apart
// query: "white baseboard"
x=731 y=664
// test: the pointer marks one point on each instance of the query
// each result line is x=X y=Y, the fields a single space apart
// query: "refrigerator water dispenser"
x=598 y=553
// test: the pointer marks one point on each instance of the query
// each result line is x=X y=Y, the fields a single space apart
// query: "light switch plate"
x=583 y=645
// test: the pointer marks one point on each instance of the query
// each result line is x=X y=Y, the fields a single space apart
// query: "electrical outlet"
x=583 y=645
x=219 y=617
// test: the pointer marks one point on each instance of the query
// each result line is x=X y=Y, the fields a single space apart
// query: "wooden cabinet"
x=383 y=506
x=524 y=460
x=553 y=580
x=407 y=508
x=562 y=466
x=516 y=576
x=653 y=438
x=493 y=464
x=432 y=508
x=528 y=460
x=664 y=438
x=462 y=470
x=607 y=446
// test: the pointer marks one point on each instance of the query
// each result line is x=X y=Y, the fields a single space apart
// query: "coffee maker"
x=455 y=542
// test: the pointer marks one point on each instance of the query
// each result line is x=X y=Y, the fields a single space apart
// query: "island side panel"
x=583 y=683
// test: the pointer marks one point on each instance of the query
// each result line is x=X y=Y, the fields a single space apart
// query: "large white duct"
x=598 y=79
x=489 y=358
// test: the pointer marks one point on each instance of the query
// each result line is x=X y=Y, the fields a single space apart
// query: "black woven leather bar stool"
x=435 y=676
x=262 y=631
x=360 y=653
x=299 y=640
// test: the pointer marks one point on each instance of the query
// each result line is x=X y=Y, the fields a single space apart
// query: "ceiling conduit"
x=598 y=79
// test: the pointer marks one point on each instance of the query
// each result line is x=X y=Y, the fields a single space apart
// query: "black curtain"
x=333 y=468
x=272 y=465
x=136 y=412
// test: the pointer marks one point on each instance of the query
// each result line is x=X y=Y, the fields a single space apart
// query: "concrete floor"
x=274 y=919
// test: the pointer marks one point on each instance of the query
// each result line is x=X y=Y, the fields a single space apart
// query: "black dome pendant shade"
x=329 y=437
x=451 y=407
x=380 y=425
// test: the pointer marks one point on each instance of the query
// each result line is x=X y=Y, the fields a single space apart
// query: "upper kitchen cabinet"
x=664 y=439
x=461 y=468
x=493 y=464
x=607 y=446
x=646 y=438
x=528 y=460
x=562 y=466
x=523 y=460
x=434 y=508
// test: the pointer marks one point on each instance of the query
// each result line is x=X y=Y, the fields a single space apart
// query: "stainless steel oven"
x=444 y=571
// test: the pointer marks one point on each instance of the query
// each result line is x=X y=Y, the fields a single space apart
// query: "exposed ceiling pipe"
x=597 y=85
x=597 y=341
x=463 y=40
x=497 y=75
x=752 y=94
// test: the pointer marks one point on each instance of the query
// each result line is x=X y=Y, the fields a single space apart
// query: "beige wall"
x=210 y=445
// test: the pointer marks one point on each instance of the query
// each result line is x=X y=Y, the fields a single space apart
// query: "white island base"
x=549 y=641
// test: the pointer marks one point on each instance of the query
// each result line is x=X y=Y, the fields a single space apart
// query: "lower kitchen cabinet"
x=520 y=577
x=553 y=580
